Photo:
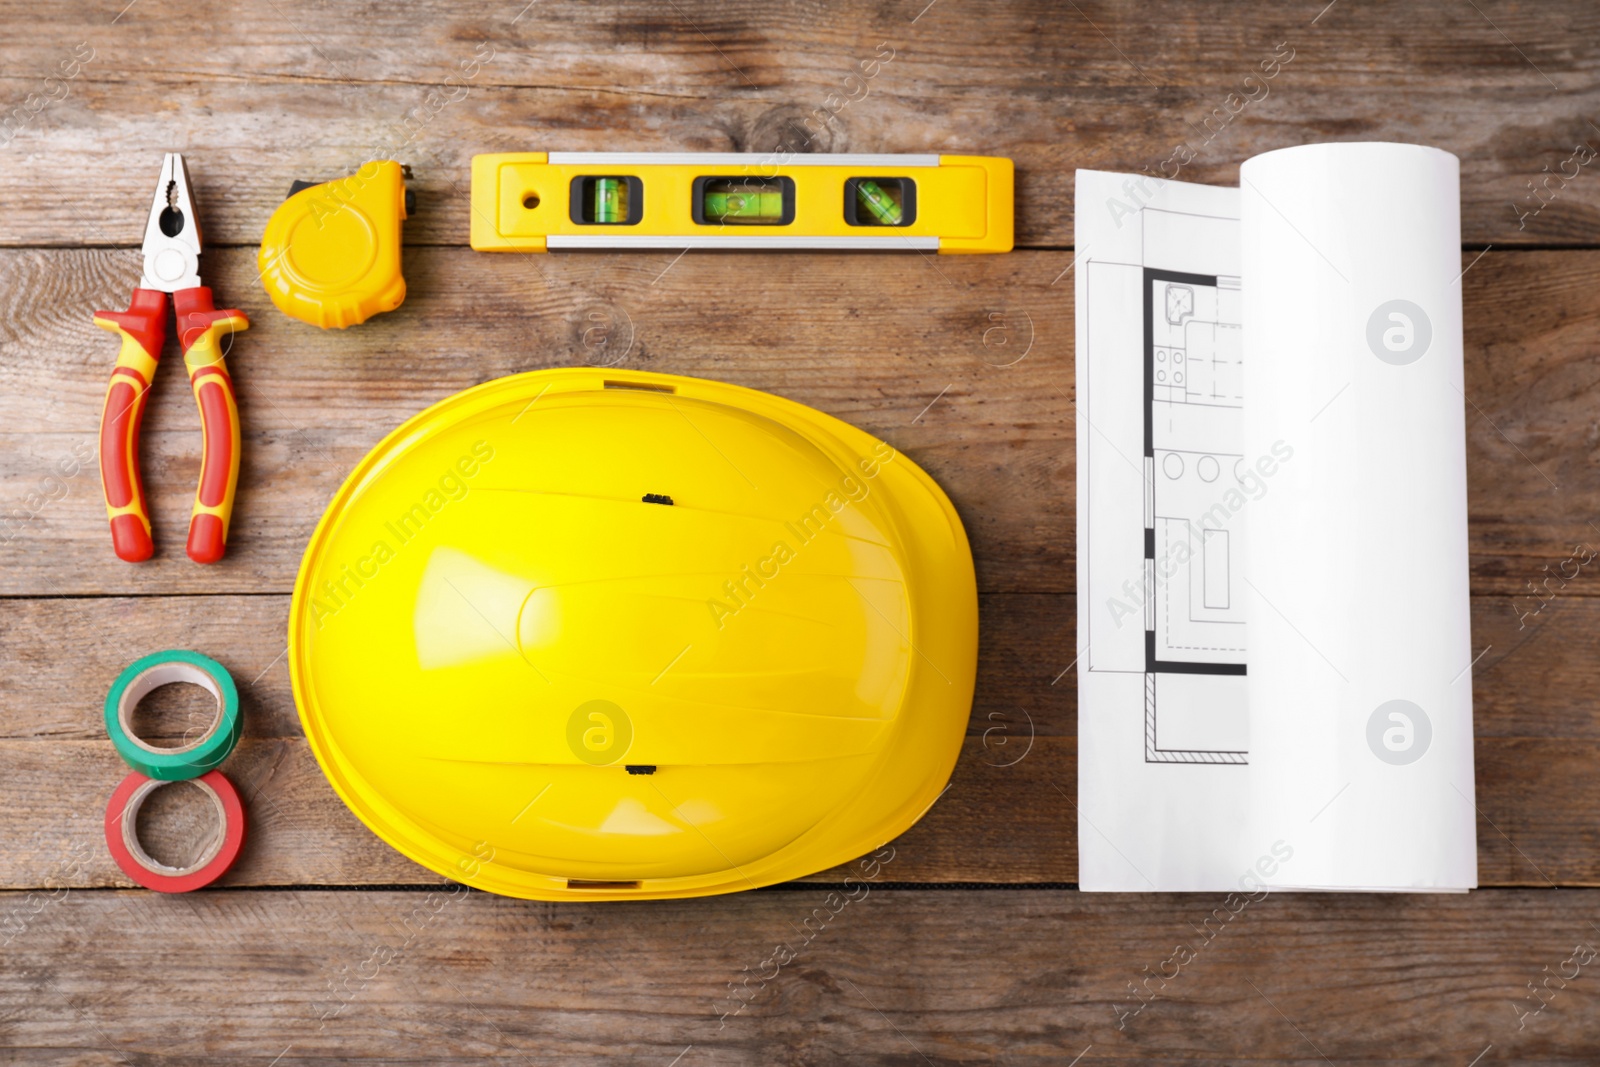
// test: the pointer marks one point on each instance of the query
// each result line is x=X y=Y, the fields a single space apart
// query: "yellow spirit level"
x=538 y=201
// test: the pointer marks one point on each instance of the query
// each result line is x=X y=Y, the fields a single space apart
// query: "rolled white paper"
x=1359 y=684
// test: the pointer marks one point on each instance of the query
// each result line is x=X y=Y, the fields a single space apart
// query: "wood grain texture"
x=1009 y=817
x=967 y=368
x=301 y=956
x=1108 y=85
x=816 y=329
x=893 y=978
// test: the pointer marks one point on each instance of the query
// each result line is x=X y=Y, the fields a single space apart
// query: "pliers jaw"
x=172 y=235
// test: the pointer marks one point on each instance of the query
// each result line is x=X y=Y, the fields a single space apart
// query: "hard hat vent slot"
x=649 y=387
x=640 y=768
x=585 y=883
x=657 y=498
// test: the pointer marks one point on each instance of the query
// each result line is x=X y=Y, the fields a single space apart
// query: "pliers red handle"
x=171 y=265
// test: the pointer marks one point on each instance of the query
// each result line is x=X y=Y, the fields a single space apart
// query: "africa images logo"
x=1399 y=332
x=599 y=732
x=1399 y=732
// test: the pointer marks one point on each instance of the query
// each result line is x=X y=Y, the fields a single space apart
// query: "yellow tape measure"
x=538 y=201
x=331 y=252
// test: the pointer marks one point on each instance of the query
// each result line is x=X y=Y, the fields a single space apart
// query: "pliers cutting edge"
x=171 y=265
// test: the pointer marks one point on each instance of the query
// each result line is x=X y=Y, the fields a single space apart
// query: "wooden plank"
x=1535 y=679
x=818 y=329
x=1009 y=816
x=966 y=367
x=65 y=653
x=805 y=976
x=285 y=93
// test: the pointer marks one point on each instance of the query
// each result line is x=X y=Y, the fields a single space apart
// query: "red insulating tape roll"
x=123 y=841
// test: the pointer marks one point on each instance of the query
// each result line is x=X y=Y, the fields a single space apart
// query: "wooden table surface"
x=971 y=945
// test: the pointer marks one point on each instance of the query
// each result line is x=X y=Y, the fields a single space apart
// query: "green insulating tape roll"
x=193 y=758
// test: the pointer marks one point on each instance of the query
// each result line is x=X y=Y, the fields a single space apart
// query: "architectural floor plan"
x=1162 y=488
x=1265 y=435
x=1194 y=622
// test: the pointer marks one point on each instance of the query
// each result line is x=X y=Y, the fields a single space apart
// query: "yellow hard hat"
x=587 y=634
